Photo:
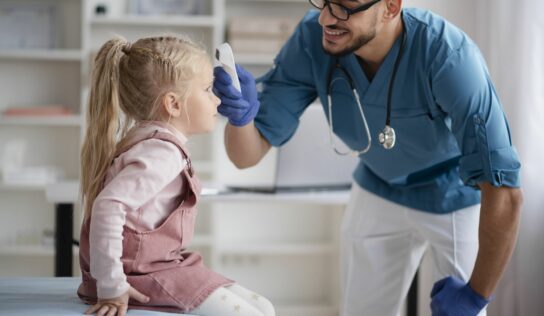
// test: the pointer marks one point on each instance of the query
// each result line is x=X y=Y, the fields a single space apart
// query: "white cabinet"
x=48 y=74
x=57 y=76
x=284 y=246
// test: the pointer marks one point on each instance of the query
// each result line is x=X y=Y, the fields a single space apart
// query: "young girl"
x=140 y=192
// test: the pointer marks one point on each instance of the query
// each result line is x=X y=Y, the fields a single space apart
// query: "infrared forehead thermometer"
x=225 y=57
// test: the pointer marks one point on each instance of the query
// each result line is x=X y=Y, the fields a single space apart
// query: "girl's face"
x=200 y=113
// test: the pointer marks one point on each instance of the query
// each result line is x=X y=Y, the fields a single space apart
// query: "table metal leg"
x=64 y=214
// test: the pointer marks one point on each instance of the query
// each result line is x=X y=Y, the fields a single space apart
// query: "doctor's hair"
x=129 y=83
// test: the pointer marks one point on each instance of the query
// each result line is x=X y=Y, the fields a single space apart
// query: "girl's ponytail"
x=103 y=121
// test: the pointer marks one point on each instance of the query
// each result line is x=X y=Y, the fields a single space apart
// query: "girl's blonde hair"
x=128 y=84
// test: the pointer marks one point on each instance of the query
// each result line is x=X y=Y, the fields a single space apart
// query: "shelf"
x=311 y=197
x=316 y=309
x=31 y=250
x=255 y=59
x=68 y=120
x=281 y=249
x=21 y=187
x=67 y=192
x=42 y=54
x=137 y=20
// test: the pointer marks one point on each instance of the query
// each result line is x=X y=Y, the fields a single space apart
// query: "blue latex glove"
x=453 y=297
x=239 y=108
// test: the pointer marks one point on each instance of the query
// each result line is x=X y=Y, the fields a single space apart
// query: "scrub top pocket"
x=422 y=142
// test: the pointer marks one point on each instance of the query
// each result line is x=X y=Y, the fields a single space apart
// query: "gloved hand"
x=453 y=297
x=239 y=108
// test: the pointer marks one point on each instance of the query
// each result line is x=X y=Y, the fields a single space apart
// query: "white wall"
x=516 y=33
x=463 y=13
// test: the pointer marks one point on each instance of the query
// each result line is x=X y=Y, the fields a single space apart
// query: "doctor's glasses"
x=339 y=11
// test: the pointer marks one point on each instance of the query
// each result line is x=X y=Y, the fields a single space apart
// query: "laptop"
x=306 y=162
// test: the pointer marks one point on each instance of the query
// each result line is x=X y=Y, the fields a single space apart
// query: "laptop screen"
x=306 y=162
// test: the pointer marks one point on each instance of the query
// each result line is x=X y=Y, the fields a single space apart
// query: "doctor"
x=410 y=94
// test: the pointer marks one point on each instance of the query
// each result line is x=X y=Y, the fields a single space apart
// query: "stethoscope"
x=387 y=136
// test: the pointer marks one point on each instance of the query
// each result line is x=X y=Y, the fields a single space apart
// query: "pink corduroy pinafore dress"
x=156 y=262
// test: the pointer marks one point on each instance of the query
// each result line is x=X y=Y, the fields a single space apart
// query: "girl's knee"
x=266 y=307
x=260 y=303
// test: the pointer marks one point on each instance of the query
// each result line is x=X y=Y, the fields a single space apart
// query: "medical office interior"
x=283 y=244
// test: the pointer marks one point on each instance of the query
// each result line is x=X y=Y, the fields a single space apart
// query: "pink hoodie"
x=149 y=251
x=146 y=177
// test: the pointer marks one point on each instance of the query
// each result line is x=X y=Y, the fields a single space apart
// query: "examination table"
x=47 y=297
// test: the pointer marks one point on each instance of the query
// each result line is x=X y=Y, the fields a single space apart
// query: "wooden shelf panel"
x=42 y=54
x=31 y=250
x=280 y=249
x=135 y=20
x=69 y=120
x=21 y=187
x=310 y=197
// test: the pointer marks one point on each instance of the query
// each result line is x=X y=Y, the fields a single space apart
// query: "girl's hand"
x=116 y=306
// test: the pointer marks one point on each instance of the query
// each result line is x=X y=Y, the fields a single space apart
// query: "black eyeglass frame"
x=348 y=11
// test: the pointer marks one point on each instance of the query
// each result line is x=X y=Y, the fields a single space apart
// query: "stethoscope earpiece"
x=387 y=137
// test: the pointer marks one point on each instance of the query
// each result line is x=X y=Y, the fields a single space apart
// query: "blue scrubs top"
x=451 y=130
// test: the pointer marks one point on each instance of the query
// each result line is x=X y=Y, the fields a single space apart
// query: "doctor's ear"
x=393 y=8
x=171 y=104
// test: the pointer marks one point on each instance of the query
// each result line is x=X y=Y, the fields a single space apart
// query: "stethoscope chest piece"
x=387 y=137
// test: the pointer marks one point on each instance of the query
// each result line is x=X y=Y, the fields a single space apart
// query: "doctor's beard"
x=357 y=42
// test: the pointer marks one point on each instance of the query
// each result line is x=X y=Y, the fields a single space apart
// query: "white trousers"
x=382 y=245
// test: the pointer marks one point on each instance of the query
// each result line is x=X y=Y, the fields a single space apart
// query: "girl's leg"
x=257 y=301
x=225 y=303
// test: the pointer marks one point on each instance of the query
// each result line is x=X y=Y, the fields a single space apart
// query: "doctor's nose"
x=326 y=18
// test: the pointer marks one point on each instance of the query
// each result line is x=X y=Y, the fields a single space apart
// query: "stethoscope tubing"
x=388 y=129
x=331 y=136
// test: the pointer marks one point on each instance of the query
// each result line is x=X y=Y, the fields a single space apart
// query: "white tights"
x=234 y=300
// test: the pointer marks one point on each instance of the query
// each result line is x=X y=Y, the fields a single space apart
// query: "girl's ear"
x=171 y=104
